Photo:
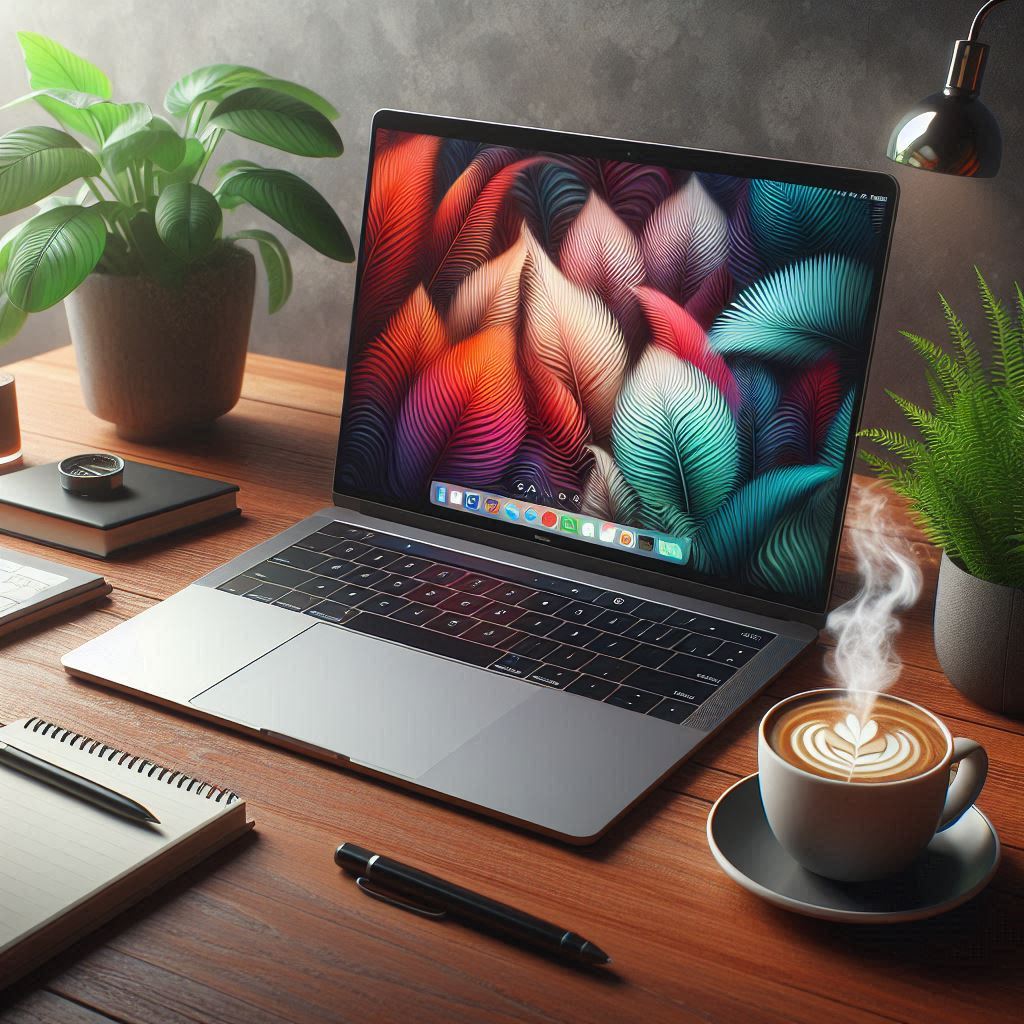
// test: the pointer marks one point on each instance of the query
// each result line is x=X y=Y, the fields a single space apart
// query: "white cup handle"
x=966 y=786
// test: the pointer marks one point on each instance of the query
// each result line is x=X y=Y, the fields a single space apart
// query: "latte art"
x=826 y=738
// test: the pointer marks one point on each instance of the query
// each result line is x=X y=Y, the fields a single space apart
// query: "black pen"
x=443 y=899
x=76 y=785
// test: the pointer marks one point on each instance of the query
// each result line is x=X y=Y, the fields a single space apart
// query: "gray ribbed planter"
x=157 y=362
x=979 y=638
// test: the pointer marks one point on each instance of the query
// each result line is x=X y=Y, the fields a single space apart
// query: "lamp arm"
x=979 y=20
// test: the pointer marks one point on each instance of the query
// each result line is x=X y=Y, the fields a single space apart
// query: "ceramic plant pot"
x=979 y=638
x=159 y=362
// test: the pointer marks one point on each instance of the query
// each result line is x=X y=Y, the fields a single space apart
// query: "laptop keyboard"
x=644 y=657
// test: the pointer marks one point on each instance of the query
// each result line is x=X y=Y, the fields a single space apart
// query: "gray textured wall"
x=821 y=81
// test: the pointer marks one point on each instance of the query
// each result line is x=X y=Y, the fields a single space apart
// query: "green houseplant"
x=964 y=477
x=158 y=293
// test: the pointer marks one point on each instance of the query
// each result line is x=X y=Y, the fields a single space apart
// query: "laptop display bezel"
x=550 y=547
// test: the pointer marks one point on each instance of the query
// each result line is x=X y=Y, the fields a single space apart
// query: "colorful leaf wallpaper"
x=681 y=350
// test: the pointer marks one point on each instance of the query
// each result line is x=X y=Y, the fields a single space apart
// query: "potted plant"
x=964 y=476
x=158 y=295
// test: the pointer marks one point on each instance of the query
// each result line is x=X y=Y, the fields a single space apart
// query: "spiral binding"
x=131 y=761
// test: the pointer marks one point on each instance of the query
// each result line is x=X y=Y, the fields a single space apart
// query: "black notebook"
x=152 y=503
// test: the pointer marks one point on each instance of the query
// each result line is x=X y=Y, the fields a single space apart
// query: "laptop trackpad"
x=379 y=704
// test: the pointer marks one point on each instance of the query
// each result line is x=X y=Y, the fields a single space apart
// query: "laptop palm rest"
x=378 y=704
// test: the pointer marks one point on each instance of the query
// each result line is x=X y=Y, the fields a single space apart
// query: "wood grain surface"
x=270 y=931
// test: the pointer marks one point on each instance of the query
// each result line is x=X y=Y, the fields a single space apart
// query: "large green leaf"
x=53 y=254
x=274 y=119
x=276 y=263
x=52 y=66
x=294 y=204
x=214 y=82
x=82 y=112
x=732 y=534
x=36 y=161
x=156 y=141
x=187 y=220
x=675 y=441
x=799 y=313
x=157 y=260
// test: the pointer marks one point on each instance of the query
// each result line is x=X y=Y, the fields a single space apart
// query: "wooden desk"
x=271 y=932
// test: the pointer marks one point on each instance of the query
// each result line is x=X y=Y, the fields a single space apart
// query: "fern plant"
x=964 y=471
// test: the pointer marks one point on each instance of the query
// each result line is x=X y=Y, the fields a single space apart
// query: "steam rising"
x=864 y=662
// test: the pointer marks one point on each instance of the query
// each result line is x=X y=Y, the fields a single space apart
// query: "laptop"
x=598 y=430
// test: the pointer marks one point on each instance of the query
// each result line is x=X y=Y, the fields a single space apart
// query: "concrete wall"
x=821 y=81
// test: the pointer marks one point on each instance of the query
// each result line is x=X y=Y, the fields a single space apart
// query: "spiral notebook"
x=67 y=866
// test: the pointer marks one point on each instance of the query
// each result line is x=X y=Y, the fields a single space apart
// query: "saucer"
x=956 y=865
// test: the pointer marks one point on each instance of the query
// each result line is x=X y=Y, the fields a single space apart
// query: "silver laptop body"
x=458 y=705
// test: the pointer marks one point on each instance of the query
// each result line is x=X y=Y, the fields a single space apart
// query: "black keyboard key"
x=320 y=586
x=748 y=636
x=331 y=611
x=670 y=686
x=662 y=634
x=350 y=594
x=383 y=604
x=675 y=711
x=609 y=668
x=570 y=657
x=415 y=613
x=333 y=567
x=428 y=593
x=588 y=686
x=344 y=530
x=638 y=628
x=652 y=611
x=508 y=593
x=698 y=668
x=648 y=655
x=515 y=665
x=576 y=611
x=266 y=593
x=575 y=636
x=543 y=602
x=699 y=644
x=613 y=621
x=465 y=604
x=536 y=623
x=298 y=558
x=635 y=700
x=451 y=624
x=392 y=584
x=283 y=575
x=444 y=574
x=378 y=558
x=577 y=591
x=504 y=614
x=239 y=585
x=349 y=550
x=296 y=601
x=732 y=654
x=618 y=602
x=491 y=634
x=320 y=542
x=408 y=566
x=610 y=644
x=534 y=647
x=474 y=583
x=457 y=648
x=365 y=576
x=551 y=675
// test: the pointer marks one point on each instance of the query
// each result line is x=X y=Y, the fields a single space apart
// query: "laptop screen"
x=655 y=362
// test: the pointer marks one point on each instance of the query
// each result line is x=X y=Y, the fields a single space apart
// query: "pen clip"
x=424 y=911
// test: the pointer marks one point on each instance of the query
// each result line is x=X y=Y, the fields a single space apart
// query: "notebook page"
x=57 y=850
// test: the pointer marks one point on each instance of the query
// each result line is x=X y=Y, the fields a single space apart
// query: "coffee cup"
x=857 y=795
